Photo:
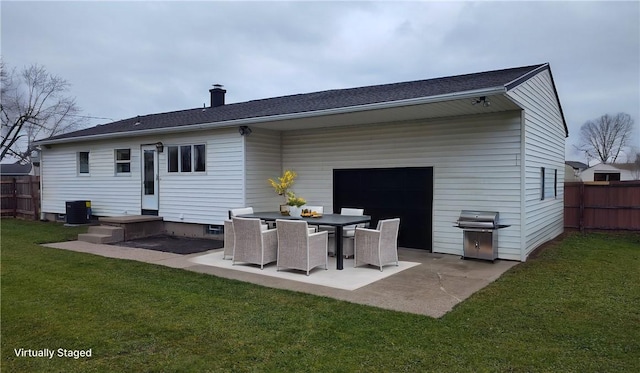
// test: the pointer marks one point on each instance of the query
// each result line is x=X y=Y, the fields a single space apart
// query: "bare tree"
x=606 y=137
x=33 y=105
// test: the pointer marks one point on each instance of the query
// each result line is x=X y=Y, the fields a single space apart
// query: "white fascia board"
x=273 y=118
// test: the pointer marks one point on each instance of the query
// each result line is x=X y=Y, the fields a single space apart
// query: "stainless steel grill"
x=480 y=233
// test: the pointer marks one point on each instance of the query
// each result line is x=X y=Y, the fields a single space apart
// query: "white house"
x=573 y=169
x=611 y=172
x=421 y=150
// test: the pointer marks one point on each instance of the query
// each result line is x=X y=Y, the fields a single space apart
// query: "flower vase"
x=295 y=211
x=284 y=209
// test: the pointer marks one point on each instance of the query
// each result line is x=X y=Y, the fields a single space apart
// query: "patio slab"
x=432 y=287
x=351 y=278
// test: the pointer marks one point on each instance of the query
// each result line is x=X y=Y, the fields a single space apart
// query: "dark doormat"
x=172 y=244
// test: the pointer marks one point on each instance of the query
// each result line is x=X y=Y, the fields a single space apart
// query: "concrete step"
x=117 y=233
x=136 y=226
x=102 y=234
x=95 y=238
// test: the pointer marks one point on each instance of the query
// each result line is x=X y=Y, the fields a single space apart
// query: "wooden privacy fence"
x=20 y=197
x=602 y=205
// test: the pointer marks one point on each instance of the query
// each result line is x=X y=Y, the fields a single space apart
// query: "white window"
x=186 y=158
x=199 y=158
x=83 y=163
x=123 y=161
x=549 y=183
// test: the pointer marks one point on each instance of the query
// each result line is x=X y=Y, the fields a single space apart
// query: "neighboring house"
x=611 y=172
x=421 y=150
x=15 y=169
x=573 y=170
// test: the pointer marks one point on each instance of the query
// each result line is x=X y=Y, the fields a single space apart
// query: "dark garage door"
x=406 y=193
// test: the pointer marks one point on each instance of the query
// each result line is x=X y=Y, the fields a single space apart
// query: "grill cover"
x=478 y=219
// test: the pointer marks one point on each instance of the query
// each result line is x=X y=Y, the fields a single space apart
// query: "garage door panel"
x=384 y=193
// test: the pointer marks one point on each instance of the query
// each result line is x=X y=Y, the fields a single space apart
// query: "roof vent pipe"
x=217 y=95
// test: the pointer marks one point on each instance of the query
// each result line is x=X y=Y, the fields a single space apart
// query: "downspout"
x=244 y=170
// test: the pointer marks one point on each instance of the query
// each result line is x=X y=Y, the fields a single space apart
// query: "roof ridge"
x=318 y=101
x=342 y=90
x=536 y=66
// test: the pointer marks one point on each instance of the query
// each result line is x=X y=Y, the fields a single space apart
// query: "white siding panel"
x=475 y=161
x=184 y=197
x=204 y=198
x=544 y=147
x=110 y=194
x=263 y=161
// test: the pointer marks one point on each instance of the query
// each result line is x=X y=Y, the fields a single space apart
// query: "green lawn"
x=575 y=308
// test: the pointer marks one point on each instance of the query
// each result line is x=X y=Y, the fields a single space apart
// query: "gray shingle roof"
x=577 y=165
x=310 y=102
x=15 y=169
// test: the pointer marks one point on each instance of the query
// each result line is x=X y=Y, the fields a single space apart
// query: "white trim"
x=529 y=74
x=523 y=187
x=79 y=163
x=243 y=188
x=150 y=201
x=116 y=162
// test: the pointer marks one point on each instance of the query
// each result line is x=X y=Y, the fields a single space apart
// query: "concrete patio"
x=431 y=287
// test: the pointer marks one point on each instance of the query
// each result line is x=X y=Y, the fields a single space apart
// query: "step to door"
x=136 y=226
x=102 y=234
x=95 y=238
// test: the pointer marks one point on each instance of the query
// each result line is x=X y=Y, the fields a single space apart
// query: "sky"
x=125 y=59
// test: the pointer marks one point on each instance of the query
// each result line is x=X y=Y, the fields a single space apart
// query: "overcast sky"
x=132 y=58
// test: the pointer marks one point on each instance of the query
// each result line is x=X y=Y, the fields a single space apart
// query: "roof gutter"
x=307 y=114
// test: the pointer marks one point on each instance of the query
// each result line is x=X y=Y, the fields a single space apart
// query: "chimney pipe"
x=217 y=95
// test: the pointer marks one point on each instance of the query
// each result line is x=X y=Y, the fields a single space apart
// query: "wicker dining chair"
x=252 y=244
x=349 y=230
x=299 y=249
x=229 y=239
x=377 y=246
x=246 y=211
x=319 y=209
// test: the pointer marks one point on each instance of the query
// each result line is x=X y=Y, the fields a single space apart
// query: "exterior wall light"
x=481 y=100
x=244 y=130
x=159 y=147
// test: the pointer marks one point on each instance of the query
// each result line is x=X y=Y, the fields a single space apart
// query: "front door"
x=149 y=180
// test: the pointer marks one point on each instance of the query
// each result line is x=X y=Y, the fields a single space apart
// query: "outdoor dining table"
x=334 y=220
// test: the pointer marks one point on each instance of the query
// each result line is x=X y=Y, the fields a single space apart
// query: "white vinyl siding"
x=109 y=194
x=204 y=197
x=198 y=197
x=544 y=147
x=263 y=161
x=475 y=160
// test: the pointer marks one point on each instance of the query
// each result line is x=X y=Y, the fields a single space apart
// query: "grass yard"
x=574 y=308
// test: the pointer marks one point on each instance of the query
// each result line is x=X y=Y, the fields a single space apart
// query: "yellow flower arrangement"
x=292 y=200
x=284 y=182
